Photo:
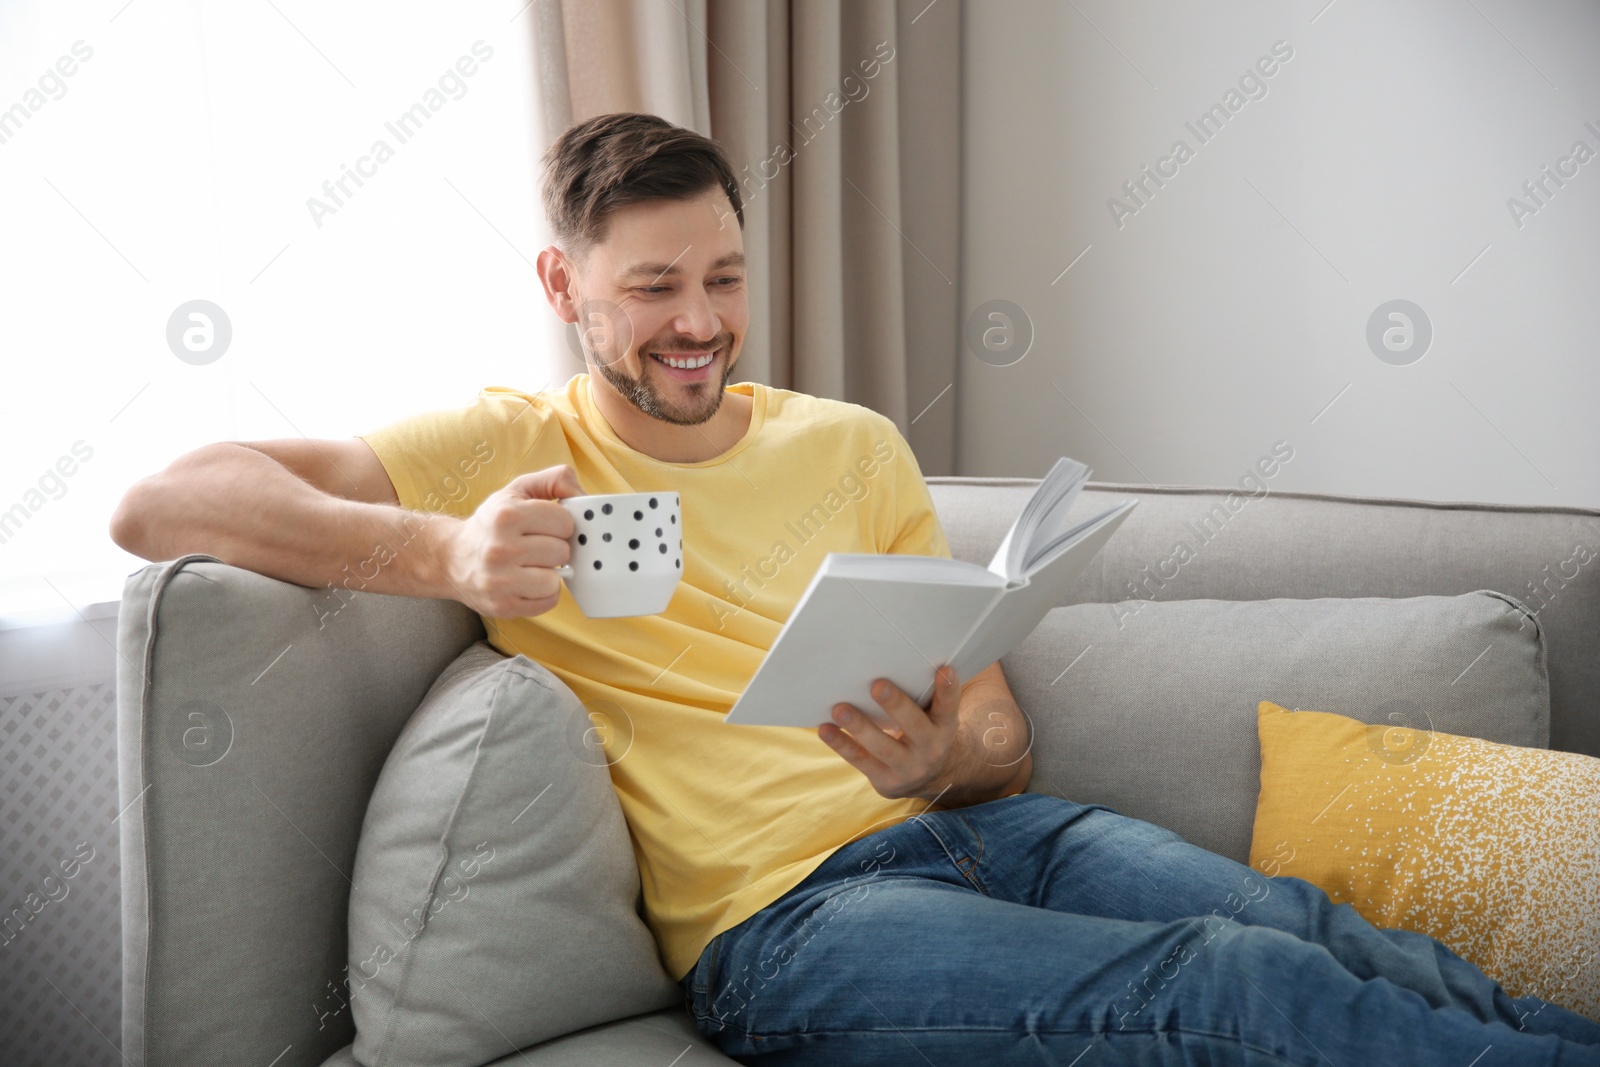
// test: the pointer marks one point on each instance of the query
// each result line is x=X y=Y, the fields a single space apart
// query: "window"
x=353 y=191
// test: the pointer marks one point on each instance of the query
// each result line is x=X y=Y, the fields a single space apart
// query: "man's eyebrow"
x=661 y=270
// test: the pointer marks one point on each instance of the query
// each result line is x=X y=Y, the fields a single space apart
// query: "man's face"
x=666 y=284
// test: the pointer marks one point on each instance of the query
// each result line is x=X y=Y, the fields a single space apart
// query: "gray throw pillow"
x=1149 y=707
x=495 y=890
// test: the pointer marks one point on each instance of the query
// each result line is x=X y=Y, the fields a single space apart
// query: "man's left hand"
x=916 y=758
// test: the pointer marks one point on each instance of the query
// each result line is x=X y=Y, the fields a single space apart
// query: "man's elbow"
x=156 y=506
x=1024 y=775
x=129 y=526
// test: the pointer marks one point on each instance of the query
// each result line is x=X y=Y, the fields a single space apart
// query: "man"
x=853 y=895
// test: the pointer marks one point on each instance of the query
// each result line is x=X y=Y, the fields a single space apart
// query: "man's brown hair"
x=610 y=161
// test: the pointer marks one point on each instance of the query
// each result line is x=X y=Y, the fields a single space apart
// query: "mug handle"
x=563 y=571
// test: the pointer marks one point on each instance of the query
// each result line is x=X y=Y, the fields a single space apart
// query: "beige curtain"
x=842 y=121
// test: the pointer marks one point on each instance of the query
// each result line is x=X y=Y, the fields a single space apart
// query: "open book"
x=867 y=616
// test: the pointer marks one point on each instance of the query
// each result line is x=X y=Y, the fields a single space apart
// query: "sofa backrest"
x=1304 y=545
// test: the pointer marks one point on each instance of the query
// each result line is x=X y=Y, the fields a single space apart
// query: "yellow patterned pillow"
x=1492 y=849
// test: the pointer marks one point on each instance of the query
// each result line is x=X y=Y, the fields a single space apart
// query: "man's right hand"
x=500 y=561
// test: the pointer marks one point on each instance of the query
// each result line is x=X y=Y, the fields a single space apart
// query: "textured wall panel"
x=60 y=923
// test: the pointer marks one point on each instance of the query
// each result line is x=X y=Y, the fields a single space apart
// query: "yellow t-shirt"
x=724 y=819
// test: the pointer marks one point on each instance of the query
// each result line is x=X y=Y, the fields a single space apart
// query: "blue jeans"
x=1035 y=930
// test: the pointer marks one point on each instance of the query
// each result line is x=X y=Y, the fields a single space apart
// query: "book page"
x=1020 y=608
x=1044 y=515
x=904 y=568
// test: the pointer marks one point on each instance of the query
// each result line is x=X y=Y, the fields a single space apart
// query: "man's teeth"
x=685 y=364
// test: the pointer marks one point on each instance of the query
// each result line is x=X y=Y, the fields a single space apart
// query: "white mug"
x=627 y=553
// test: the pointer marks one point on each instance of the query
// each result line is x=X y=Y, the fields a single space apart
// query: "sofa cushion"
x=495 y=890
x=1150 y=707
x=1492 y=849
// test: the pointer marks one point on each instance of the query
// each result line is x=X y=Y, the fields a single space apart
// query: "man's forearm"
x=248 y=510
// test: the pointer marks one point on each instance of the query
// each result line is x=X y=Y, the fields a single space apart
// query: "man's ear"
x=558 y=277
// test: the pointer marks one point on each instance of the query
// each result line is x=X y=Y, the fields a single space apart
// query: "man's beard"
x=642 y=393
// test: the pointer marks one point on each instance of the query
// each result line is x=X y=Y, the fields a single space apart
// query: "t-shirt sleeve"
x=917 y=530
x=451 y=459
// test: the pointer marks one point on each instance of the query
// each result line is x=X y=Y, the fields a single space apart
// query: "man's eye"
x=651 y=289
x=731 y=282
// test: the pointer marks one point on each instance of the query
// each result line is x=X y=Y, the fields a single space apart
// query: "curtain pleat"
x=929 y=68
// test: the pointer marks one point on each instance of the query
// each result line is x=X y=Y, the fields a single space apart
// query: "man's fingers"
x=531 y=550
x=852 y=752
x=946 y=705
x=552 y=483
x=914 y=723
x=517 y=516
x=869 y=735
x=522 y=606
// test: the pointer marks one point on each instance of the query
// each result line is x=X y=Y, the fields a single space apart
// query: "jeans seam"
x=975 y=833
x=711 y=964
x=696 y=990
x=970 y=874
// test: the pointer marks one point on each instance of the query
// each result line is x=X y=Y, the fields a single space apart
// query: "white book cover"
x=866 y=616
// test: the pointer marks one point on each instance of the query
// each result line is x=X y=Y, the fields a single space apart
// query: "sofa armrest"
x=253 y=717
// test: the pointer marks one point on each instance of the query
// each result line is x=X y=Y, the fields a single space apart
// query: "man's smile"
x=685 y=365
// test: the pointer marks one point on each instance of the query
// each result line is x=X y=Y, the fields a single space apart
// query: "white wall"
x=1227 y=313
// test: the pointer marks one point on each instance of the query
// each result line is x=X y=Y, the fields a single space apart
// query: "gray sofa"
x=236 y=882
